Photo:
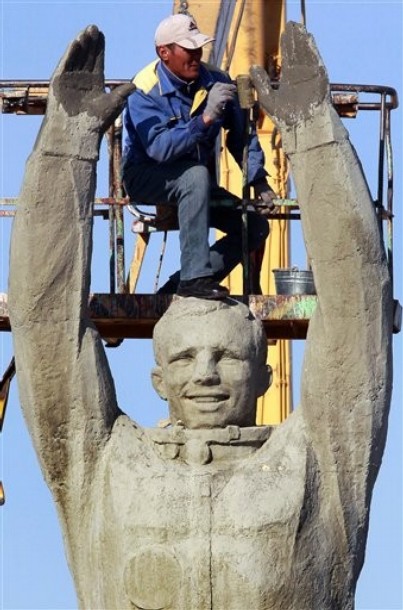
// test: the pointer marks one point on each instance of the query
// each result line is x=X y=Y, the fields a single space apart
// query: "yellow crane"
x=249 y=33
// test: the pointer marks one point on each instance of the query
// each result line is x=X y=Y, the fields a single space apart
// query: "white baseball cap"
x=182 y=30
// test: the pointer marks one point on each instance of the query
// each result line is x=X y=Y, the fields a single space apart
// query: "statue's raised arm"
x=346 y=376
x=66 y=389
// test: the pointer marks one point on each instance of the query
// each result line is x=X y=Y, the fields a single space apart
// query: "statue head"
x=210 y=363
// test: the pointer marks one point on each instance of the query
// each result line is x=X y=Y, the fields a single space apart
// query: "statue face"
x=209 y=375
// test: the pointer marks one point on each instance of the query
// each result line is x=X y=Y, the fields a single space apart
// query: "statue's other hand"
x=78 y=82
x=303 y=82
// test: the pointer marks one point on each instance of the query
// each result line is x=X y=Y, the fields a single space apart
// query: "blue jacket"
x=163 y=121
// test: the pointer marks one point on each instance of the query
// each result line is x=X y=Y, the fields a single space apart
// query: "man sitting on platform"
x=172 y=121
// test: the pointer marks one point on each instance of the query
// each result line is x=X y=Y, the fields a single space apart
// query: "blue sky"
x=360 y=42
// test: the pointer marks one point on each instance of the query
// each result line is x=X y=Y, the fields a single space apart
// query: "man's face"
x=182 y=62
x=209 y=376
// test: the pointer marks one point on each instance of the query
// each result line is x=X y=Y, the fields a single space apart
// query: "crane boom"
x=249 y=33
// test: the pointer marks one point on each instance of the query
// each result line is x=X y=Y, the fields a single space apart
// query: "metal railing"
x=29 y=98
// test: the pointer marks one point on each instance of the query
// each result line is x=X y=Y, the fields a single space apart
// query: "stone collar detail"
x=200 y=447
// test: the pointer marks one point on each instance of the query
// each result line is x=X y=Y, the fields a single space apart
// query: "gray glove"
x=267 y=196
x=219 y=95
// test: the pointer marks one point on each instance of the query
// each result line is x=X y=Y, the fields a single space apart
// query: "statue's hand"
x=303 y=82
x=78 y=106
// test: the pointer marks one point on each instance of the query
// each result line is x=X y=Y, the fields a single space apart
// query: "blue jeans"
x=189 y=187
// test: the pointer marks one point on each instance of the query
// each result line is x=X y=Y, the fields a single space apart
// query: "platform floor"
x=134 y=315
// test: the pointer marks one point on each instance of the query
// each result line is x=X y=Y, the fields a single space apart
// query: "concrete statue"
x=212 y=512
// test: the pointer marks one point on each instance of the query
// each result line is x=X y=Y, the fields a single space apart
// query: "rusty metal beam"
x=134 y=315
x=29 y=97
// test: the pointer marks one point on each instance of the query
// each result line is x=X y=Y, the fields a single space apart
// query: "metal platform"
x=133 y=316
x=119 y=316
x=121 y=313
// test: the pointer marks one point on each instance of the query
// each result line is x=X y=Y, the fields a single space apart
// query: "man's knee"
x=196 y=177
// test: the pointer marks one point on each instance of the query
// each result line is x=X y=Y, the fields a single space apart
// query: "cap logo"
x=192 y=26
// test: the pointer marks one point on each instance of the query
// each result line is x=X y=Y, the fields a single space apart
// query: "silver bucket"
x=294 y=281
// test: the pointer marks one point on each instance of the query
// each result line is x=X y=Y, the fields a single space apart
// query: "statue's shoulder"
x=131 y=441
x=289 y=438
x=127 y=439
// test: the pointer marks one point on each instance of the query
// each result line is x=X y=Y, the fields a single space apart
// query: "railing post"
x=116 y=218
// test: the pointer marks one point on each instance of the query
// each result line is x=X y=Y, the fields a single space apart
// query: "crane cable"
x=303 y=13
x=231 y=50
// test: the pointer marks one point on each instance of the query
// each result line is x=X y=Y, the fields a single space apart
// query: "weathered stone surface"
x=213 y=512
x=211 y=363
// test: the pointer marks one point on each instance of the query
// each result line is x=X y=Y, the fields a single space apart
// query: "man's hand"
x=219 y=95
x=78 y=106
x=266 y=195
x=303 y=83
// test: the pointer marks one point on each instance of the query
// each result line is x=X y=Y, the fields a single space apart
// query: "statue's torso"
x=195 y=536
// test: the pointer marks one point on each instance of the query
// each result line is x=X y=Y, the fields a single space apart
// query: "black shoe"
x=170 y=287
x=202 y=288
